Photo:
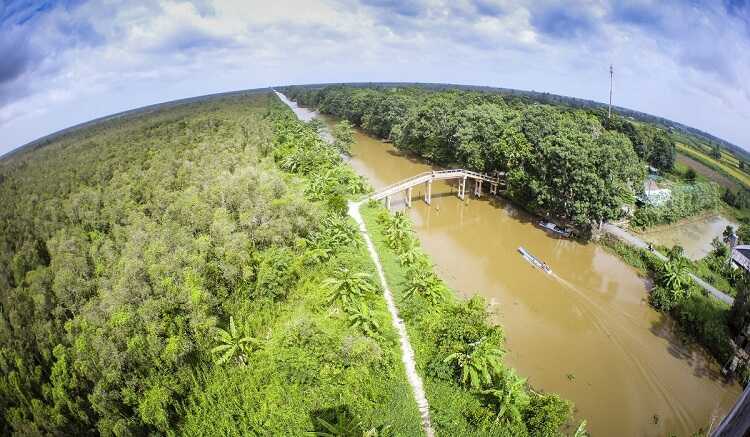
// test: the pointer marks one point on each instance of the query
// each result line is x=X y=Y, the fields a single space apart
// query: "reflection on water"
x=695 y=237
x=585 y=331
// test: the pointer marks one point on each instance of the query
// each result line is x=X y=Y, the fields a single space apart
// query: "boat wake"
x=619 y=333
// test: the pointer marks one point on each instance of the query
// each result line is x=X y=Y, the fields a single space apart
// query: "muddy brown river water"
x=585 y=331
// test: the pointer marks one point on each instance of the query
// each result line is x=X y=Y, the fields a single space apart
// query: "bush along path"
x=407 y=353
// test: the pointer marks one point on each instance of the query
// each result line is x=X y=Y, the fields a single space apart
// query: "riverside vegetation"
x=191 y=271
x=458 y=352
x=700 y=316
x=571 y=164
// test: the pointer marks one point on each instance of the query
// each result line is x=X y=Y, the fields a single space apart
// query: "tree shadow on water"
x=682 y=347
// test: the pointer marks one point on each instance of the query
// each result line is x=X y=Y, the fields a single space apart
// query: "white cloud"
x=681 y=62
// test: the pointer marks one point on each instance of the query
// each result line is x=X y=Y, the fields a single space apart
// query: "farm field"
x=721 y=166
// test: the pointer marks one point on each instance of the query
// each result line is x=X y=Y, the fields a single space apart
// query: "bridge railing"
x=429 y=175
x=402 y=182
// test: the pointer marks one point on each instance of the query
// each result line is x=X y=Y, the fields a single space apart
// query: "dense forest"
x=192 y=271
x=573 y=164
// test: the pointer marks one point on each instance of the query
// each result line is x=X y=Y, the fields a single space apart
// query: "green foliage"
x=509 y=397
x=686 y=200
x=343 y=135
x=423 y=282
x=124 y=244
x=707 y=320
x=559 y=162
x=453 y=342
x=398 y=232
x=581 y=430
x=348 y=287
x=361 y=317
x=477 y=363
x=546 y=414
x=702 y=317
x=675 y=276
x=234 y=344
x=276 y=273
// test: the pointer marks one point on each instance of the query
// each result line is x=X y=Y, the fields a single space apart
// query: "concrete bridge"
x=427 y=178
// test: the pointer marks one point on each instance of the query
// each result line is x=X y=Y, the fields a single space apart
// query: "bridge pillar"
x=462 y=188
x=493 y=188
x=428 y=192
x=408 y=197
x=478 y=187
x=388 y=203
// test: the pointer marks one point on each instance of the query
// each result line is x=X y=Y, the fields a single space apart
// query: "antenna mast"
x=611 y=80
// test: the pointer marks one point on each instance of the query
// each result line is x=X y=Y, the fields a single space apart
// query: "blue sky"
x=63 y=62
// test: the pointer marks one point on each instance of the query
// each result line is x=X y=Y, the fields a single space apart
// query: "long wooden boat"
x=553 y=228
x=536 y=262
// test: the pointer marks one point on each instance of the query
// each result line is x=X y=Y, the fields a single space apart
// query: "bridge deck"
x=431 y=176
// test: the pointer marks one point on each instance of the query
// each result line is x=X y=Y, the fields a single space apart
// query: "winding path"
x=407 y=353
x=631 y=239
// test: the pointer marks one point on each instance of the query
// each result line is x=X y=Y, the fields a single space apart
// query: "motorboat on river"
x=555 y=229
x=536 y=262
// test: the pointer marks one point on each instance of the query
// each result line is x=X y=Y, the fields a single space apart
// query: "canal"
x=585 y=332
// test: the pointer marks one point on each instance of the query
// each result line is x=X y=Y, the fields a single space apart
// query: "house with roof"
x=653 y=195
x=741 y=256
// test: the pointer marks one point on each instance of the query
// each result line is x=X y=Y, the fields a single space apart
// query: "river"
x=585 y=332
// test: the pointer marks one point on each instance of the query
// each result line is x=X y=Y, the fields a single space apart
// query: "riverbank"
x=441 y=327
x=498 y=403
x=703 y=318
x=574 y=332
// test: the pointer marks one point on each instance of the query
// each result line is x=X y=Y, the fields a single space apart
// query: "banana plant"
x=234 y=344
x=478 y=363
x=348 y=286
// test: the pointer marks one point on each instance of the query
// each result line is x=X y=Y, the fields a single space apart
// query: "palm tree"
x=509 y=396
x=348 y=286
x=424 y=283
x=411 y=254
x=675 y=276
x=478 y=362
x=338 y=231
x=234 y=342
x=361 y=317
x=335 y=232
x=344 y=426
x=397 y=231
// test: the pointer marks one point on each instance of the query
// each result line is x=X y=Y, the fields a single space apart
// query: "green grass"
x=447 y=404
x=639 y=259
x=701 y=269
x=312 y=361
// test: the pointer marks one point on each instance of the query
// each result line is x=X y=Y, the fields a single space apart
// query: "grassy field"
x=727 y=165
x=726 y=156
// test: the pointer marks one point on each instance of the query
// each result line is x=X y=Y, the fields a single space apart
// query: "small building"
x=653 y=195
x=741 y=256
